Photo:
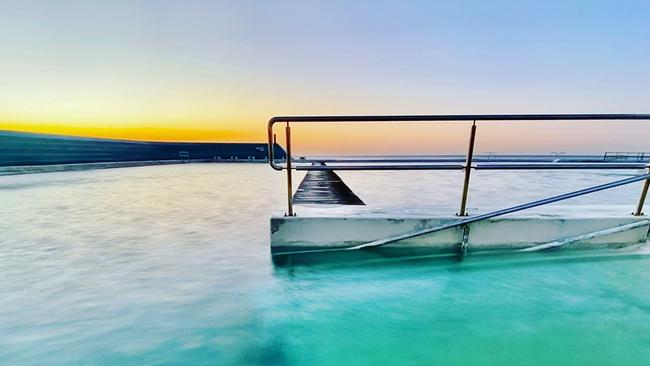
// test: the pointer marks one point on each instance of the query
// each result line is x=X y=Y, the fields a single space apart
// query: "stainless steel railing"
x=372 y=164
x=626 y=156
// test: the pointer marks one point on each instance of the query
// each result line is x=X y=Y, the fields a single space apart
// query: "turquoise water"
x=170 y=265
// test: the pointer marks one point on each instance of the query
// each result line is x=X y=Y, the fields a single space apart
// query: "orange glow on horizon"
x=372 y=138
x=141 y=133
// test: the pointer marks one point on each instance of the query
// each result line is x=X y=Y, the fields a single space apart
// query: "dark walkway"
x=325 y=187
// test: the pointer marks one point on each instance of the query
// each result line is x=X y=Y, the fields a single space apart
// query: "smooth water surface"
x=170 y=265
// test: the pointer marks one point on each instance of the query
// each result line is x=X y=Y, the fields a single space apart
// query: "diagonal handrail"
x=588 y=236
x=502 y=212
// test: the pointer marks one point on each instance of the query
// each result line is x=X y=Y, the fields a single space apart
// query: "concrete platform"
x=330 y=218
x=317 y=227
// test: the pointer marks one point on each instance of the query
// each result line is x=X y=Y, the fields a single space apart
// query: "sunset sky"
x=218 y=70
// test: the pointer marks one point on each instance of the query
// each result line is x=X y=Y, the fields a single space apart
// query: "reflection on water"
x=171 y=265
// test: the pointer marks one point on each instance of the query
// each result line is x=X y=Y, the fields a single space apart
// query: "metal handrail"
x=625 y=155
x=521 y=166
x=504 y=211
x=468 y=166
x=484 y=158
x=477 y=159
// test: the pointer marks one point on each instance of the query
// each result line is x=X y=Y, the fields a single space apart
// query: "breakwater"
x=29 y=149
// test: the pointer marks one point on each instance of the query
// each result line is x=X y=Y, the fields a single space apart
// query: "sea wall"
x=28 y=149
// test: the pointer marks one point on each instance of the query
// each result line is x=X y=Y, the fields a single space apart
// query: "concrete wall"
x=514 y=232
x=17 y=148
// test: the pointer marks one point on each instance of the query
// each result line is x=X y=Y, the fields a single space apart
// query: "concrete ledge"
x=510 y=232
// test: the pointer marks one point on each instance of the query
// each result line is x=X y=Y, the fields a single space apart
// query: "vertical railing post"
x=644 y=193
x=468 y=171
x=289 y=183
x=272 y=149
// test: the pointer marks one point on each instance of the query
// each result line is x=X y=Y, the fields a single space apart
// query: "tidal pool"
x=170 y=265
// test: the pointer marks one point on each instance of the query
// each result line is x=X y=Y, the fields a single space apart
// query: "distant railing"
x=374 y=164
x=626 y=155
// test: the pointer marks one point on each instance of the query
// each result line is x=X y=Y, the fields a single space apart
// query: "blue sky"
x=216 y=70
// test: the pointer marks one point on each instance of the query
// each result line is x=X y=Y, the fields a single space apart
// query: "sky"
x=219 y=70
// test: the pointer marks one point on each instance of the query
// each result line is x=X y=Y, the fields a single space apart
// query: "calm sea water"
x=170 y=265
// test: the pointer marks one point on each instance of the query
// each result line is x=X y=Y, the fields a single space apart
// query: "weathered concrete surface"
x=306 y=232
x=324 y=187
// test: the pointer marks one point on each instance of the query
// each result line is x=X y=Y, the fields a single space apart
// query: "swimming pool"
x=170 y=265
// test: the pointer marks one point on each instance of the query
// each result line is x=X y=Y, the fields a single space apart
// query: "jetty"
x=325 y=216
